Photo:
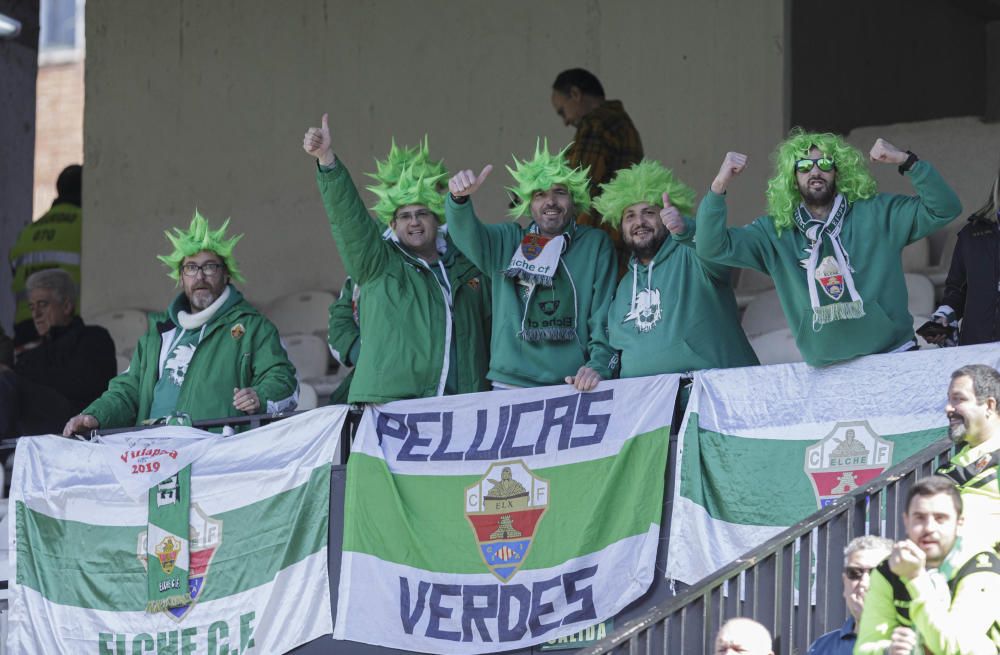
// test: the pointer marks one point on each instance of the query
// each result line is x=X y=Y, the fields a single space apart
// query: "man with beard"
x=673 y=312
x=861 y=556
x=973 y=420
x=552 y=281
x=930 y=595
x=832 y=245
x=210 y=355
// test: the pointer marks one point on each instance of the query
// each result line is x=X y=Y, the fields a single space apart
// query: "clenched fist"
x=732 y=165
x=886 y=153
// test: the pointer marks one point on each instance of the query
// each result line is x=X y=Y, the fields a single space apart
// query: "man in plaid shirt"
x=606 y=139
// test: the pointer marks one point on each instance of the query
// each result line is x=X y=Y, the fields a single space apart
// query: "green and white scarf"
x=828 y=267
x=549 y=313
x=168 y=551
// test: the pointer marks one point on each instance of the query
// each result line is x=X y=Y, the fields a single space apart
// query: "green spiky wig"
x=854 y=181
x=387 y=171
x=544 y=171
x=414 y=187
x=198 y=237
x=646 y=181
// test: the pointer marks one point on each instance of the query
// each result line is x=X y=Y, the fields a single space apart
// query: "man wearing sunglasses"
x=861 y=557
x=210 y=355
x=831 y=243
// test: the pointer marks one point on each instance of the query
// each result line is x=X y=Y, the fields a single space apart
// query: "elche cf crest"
x=850 y=456
x=504 y=509
x=829 y=276
x=532 y=245
x=205 y=539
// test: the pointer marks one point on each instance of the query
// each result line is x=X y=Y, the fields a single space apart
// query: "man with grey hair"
x=974 y=420
x=743 y=637
x=69 y=368
x=861 y=556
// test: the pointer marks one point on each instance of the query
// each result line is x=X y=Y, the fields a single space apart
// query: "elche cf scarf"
x=493 y=521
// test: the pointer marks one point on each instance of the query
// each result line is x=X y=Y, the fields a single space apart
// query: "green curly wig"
x=387 y=171
x=414 y=187
x=646 y=181
x=198 y=237
x=854 y=181
x=544 y=171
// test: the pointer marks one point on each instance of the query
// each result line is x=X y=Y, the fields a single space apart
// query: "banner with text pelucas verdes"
x=494 y=521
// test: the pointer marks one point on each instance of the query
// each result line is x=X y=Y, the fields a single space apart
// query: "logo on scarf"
x=829 y=277
x=205 y=538
x=646 y=310
x=167 y=552
x=504 y=508
x=548 y=307
x=532 y=245
x=850 y=456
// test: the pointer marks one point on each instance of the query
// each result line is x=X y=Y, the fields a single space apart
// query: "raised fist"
x=732 y=165
x=886 y=153
x=317 y=143
x=465 y=183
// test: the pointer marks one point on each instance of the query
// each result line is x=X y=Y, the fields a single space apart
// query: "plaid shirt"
x=607 y=141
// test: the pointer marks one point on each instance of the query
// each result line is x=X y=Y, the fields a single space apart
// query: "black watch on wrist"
x=458 y=200
x=908 y=164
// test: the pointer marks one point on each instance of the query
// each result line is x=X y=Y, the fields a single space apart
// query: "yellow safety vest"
x=53 y=241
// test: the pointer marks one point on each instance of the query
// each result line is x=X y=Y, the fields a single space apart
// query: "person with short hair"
x=68 y=368
x=741 y=636
x=931 y=595
x=424 y=316
x=831 y=243
x=552 y=282
x=861 y=556
x=672 y=312
x=974 y=422
x=210 y=355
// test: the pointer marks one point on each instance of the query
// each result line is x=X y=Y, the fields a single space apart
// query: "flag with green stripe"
x=493 y=521
x=258 y=526
x=763 y=447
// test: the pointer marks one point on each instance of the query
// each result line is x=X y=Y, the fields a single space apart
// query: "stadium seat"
x=123 y=363
x=125 y=325
x=750 y=284
x=307 y=397
x=763 y=314
x=938 y=273
x=917 y=256
x=309 y=354
x=303 y=312
x=776 y=347
x=920 y=292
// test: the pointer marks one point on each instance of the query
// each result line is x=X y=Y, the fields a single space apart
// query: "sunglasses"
x=805 y=165
x=856 y=572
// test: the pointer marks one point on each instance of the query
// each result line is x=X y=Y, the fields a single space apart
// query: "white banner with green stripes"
x=763 y=447
x=494 y=521
x=259 y=516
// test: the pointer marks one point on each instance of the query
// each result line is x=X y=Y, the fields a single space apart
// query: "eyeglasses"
x=805 y=165
x=210 y=269
x=856 y=572
x=420 y=215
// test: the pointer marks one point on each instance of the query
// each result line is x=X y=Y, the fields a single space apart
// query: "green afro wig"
x=854 y=181
x=387 y=171
x=198 y=237
x=646 y=181
x=544 y=171
x=414 y=187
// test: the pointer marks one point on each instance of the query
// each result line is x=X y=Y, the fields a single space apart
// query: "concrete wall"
x=204 y=104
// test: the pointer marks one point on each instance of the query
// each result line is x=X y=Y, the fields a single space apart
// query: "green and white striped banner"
x=763 y=447
x=493 y=521
x=258 y=543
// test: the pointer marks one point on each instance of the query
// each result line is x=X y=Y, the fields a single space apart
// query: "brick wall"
x=58 y=128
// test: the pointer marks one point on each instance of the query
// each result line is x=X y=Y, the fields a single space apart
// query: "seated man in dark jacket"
x=69 y=368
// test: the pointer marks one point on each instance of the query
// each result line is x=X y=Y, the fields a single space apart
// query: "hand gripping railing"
x=769 y=584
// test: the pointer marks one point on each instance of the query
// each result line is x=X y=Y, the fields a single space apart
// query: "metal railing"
x=797 y=598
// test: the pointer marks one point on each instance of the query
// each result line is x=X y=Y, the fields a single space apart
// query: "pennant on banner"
x=145 y=458
x=761 y=448
x=503 y=519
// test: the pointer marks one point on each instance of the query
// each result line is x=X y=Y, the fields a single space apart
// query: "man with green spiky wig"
x=552 y=281
x=210 y=355
x=673 y=312
x=424 y=314
x=830 y=242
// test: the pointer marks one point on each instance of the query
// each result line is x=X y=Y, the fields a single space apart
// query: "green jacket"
x=409 y=324
x=344 y=335
x=875 y=231
x=590 y=261
x=239 y=348
x=961 y=619
x=53 y=241
x=677 y=314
